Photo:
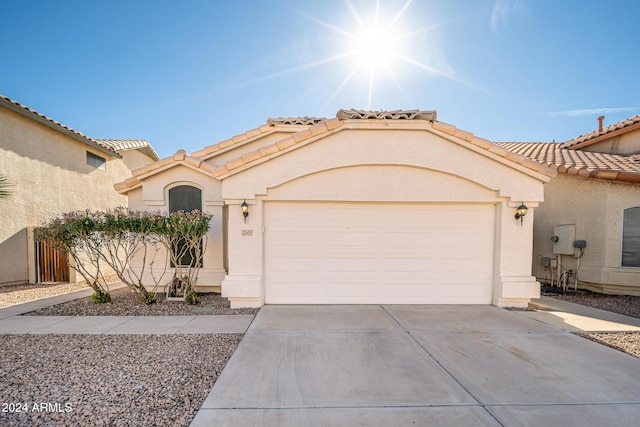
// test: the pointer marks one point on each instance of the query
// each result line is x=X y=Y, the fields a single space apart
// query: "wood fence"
x=52 y=264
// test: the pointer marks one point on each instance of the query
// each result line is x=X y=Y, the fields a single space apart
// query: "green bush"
x=101 y=298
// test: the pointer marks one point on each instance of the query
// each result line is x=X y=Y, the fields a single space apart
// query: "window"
x=631 y=238
x=185 y=198
x=96 y=161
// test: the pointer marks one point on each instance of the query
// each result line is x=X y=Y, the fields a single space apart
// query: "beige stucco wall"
x=134 y=159
x=50 y=176
x=596 y=208
x=628 y=143
x=384 y=165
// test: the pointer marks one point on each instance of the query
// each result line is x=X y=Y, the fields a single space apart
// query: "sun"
x=374 y=46
x=375 y=49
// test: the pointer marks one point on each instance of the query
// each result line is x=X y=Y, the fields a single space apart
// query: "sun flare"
x=373 y=49
x=376 y=48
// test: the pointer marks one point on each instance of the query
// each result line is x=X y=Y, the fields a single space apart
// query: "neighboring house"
x=595 y=198
x=367 y=207
x=53 y=169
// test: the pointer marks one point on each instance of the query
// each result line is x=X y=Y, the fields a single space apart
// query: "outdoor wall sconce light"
x=245 y=210
x=521 y=212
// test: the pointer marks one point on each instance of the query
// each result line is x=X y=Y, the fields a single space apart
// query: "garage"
x=378 y=253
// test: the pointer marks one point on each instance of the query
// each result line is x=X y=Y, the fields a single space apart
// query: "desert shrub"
x=116 y=237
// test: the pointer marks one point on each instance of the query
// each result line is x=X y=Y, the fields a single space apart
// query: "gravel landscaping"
x=125 y=303
x=109 y=380
x=159 y=380
x=17 y=294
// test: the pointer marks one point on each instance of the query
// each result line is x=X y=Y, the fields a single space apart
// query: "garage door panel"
x=350 y=264
x=296 y=290
x=349 y=289
x=294 y=238
x=406 y=241
x=352 y=240
x=349 y=214
x=409 y=265
x=379 y=253
x=291 y=265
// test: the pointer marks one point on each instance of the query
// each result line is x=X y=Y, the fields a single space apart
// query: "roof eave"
x=32 y=115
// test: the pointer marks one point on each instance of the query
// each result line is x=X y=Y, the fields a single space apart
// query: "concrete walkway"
x=579 y=318
x=397 y=365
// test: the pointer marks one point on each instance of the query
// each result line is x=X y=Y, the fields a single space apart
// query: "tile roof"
x=366 y=116
x=588 y=164
x=55 y=125
x=288 y=125
x=179 y=158
x=311 y=132
x=306 y=121
x=131 y=144
x=389 y=115
x=607 y=132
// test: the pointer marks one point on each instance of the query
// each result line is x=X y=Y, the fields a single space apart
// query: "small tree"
x=75 y=234
x=126 y=235
x=185 y=238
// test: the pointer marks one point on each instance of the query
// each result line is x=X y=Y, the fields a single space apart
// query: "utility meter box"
x=563 y=238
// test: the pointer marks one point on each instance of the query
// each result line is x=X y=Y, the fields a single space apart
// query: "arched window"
x=631 y=238
x=185 y=198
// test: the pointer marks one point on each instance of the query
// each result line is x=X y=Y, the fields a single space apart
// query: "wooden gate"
x=52 y=264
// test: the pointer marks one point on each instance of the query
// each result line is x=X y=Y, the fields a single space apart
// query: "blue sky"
x=190 y=73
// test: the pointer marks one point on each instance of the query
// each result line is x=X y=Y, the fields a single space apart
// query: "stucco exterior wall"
x=596 y=208
x=49 y=176
x=628 y=143
x=378 y=165
x=134 y=159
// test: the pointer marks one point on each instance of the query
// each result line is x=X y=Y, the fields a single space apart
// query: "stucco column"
x=514 y=285
x=243 y=283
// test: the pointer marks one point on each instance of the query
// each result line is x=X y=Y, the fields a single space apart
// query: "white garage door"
x=356 y=253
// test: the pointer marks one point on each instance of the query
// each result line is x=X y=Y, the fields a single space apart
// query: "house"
x=367 y=207
x=53 y=169
x=595 y=198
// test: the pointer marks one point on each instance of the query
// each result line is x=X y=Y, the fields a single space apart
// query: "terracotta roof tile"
x=141 y=145
x=616 y=167
x=305 y=121
x=318 y=129
x=607 y=132
x=354 y=114
x=302 y=135
x=283 y=144
x=268 y=150
x=251 y=156
x=289 y=125
x=179 y=158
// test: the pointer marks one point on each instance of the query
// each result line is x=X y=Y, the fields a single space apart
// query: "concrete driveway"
x=398 y=365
